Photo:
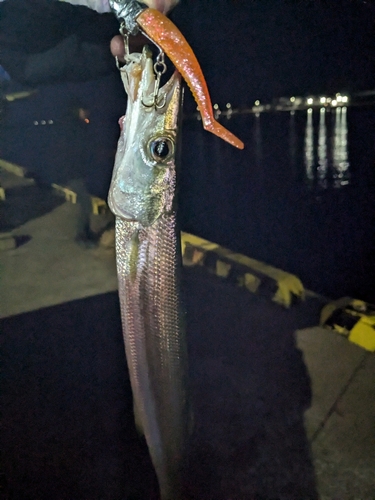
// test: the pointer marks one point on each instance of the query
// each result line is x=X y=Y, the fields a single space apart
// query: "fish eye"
x=161 y=148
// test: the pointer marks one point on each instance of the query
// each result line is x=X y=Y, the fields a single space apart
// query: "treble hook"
x=160 y=68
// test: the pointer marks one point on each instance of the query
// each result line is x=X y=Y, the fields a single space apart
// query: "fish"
x=142 y=196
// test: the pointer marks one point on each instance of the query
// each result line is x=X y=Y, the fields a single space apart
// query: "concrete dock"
x=241 y=443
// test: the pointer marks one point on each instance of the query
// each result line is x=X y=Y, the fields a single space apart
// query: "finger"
x=117 y=47
x=163 y=6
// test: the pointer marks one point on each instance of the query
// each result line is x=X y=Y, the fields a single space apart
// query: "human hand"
x=163 y=5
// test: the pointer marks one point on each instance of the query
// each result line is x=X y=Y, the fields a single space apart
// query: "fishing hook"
x=125 y=35
x=160 y=68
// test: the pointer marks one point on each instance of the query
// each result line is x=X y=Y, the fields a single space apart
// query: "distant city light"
x=310 y=100
x=345 y=98
x=310 y=110
x=323 y=100
x=338 y=97
x=292 y=99
x=334 y=102
x=217 y=111
x=257 y=103
x=228 y=106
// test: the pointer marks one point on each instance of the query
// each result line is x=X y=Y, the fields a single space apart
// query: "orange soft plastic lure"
x=168 y=37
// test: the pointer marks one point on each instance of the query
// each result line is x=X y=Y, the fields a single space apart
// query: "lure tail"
x=168 y=37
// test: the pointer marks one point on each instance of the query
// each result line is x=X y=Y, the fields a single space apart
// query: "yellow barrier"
x=66 y=192
x=19 y=95
x=98 y=205
x=244 y=271
x=13 y=168
x=354 y=319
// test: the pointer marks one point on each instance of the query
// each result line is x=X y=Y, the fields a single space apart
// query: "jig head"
x=128 y=11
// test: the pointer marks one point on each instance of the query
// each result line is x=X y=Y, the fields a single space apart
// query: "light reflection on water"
x=341 y=164
x=300 y=196
x=326 y=149
x=309 y=147
x=322 y=169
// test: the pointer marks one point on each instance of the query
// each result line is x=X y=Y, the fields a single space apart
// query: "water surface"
x=300 y=196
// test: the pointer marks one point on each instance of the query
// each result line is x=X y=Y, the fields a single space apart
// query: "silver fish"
x=142 y=196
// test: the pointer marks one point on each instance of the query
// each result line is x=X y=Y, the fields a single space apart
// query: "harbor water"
x=300 y=196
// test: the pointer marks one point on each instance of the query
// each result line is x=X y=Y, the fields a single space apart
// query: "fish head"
x=144 y=177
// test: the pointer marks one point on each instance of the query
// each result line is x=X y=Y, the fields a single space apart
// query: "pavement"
x=49 y=269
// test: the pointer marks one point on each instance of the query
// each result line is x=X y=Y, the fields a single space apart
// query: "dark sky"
x=268 y=48
x=249 y=49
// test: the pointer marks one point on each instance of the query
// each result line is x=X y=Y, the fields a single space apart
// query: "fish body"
x=142 y=196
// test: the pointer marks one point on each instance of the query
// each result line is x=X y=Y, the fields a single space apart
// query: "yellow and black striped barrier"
x=355 y=319
x=284 y=288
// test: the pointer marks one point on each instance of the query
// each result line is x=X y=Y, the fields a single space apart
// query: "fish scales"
x=154 y=339
x=142 y=196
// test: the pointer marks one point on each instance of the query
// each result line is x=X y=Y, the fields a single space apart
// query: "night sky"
x=264 y=49
x=248 y=49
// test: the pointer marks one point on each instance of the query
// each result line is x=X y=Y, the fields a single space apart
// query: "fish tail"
x=166 y=35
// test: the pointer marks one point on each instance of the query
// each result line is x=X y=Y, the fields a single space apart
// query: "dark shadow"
x=22 y=239
x=250 y=390
x=25 y=203
x=68 y=430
